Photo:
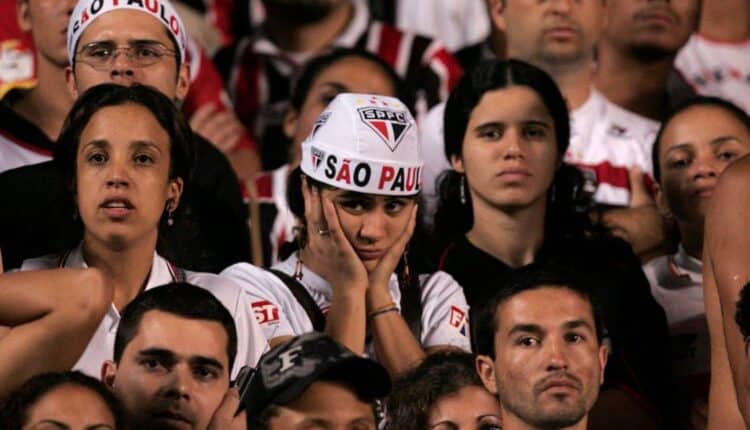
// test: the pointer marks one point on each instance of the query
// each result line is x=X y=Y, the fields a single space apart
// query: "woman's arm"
x=49 y=317
x=725 y=20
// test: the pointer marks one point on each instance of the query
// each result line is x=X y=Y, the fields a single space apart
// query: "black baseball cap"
x=287 y=370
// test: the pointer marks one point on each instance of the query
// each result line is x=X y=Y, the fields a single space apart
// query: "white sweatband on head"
x=365 y=143
x=86 y=11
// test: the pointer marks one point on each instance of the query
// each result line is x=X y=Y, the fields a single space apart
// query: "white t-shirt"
x=14 y=153
x=677 y=284
x=444 y=308
x=250 y=340
x=605 y=141
x=720 y=69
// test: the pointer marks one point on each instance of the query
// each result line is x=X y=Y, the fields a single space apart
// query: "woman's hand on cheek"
x=381 y=275
x=335 y=259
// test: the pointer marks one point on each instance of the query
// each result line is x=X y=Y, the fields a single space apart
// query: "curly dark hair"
x=441 y=374
x=14 y=412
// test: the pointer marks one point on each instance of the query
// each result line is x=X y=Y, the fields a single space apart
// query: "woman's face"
x=371 y=223
x=509 y=153
x=471 y=408
x=70 y=407
x=695 y=147
x=349 y=75
x=122 y=176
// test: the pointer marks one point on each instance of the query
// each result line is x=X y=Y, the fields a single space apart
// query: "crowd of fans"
x=374 y=214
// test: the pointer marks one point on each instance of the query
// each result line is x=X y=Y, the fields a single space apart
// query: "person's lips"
x=657 y=16
x=705 y=191
x=173 y=419
x=561 y=32
x=513 y=174
x=117 y=207
x=369 y=254
x=559 y=383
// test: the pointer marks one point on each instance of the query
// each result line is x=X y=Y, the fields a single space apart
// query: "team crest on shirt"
x=265 y=312
x=457 y=319
x=322 y=119
x=317 y=156
x=390 y=125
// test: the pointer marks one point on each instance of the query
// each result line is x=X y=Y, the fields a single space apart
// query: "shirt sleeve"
x=445 y=313
x=263 y=293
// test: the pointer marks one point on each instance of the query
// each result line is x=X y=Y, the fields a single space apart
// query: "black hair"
x=441 y=374
x=703 y=101
x=181 y=299
x=316 y=66
x=181 y=138
x=742 y=316
x=453 y=218
x=531 y=277
x=14 y=412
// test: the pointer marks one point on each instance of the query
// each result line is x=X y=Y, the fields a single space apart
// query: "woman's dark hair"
x=181 y=138
x=320 y=64
x=699 y=101
x=14 y=412
x=453 y=219
x=441 y=374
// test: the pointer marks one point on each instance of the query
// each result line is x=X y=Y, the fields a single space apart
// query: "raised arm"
x=726 y=270
x=725 y=20
x=48 y=318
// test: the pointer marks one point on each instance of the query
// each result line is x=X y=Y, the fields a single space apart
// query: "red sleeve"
x=220 y=17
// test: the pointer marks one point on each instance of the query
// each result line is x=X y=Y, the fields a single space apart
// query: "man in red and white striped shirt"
x=259 y=68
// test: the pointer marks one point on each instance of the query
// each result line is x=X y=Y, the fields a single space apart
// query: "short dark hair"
x=441 y=374
x=181 y=299
x=14 y=412
x=316 y=66
x=703 y=101
x=181 y=137
x=742 y=316
x=531 y=277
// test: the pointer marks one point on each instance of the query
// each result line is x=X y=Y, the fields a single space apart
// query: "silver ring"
x=324 y=231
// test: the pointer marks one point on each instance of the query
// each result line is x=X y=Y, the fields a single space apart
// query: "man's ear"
x=289 y=125
x=603 y=355
x=23 y=15
x=486 y=370
x=70 y=82
x=109 y=370
x=457 y=163
x=497 y=13
x=183 y=82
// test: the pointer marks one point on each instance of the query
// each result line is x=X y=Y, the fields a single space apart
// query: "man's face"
x=548 y=364
x=650 y=29
x=173 y=374
x=325 y=406
x=124 y=28
x=47 y=20
x=550 y=32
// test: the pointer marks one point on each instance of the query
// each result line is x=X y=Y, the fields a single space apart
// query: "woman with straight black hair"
x=511 y=201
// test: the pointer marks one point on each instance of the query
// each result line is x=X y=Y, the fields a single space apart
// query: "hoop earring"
x=405 y=274
x=462 y=186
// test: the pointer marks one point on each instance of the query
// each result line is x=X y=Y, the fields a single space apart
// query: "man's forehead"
x=547 y=307
x=184 y=337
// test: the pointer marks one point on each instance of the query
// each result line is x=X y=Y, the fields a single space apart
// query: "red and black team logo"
x=389 y=124
x=317 y=157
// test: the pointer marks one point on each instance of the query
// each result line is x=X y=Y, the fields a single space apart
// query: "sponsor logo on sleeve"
x=457 y=319
x=266 y=312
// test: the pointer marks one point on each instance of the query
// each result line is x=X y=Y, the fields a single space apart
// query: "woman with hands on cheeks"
x=356 y=196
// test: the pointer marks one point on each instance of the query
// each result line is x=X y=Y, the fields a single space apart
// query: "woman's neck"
x=127 y=269
x=691 y=237
x=513 y=238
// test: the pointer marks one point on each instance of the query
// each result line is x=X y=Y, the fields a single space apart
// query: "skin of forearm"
x=395 y=345
x=345 y=321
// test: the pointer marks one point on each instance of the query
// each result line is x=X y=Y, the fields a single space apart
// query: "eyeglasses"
x=101 y=55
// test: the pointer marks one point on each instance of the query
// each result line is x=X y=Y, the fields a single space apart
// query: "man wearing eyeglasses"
x=125 y=42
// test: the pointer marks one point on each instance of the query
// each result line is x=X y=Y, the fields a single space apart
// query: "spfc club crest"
x=389 y=124
x=320 y=121
x=317 y=157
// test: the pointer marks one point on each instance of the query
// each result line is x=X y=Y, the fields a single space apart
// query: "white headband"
x=86 y=11
x=365 y=143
